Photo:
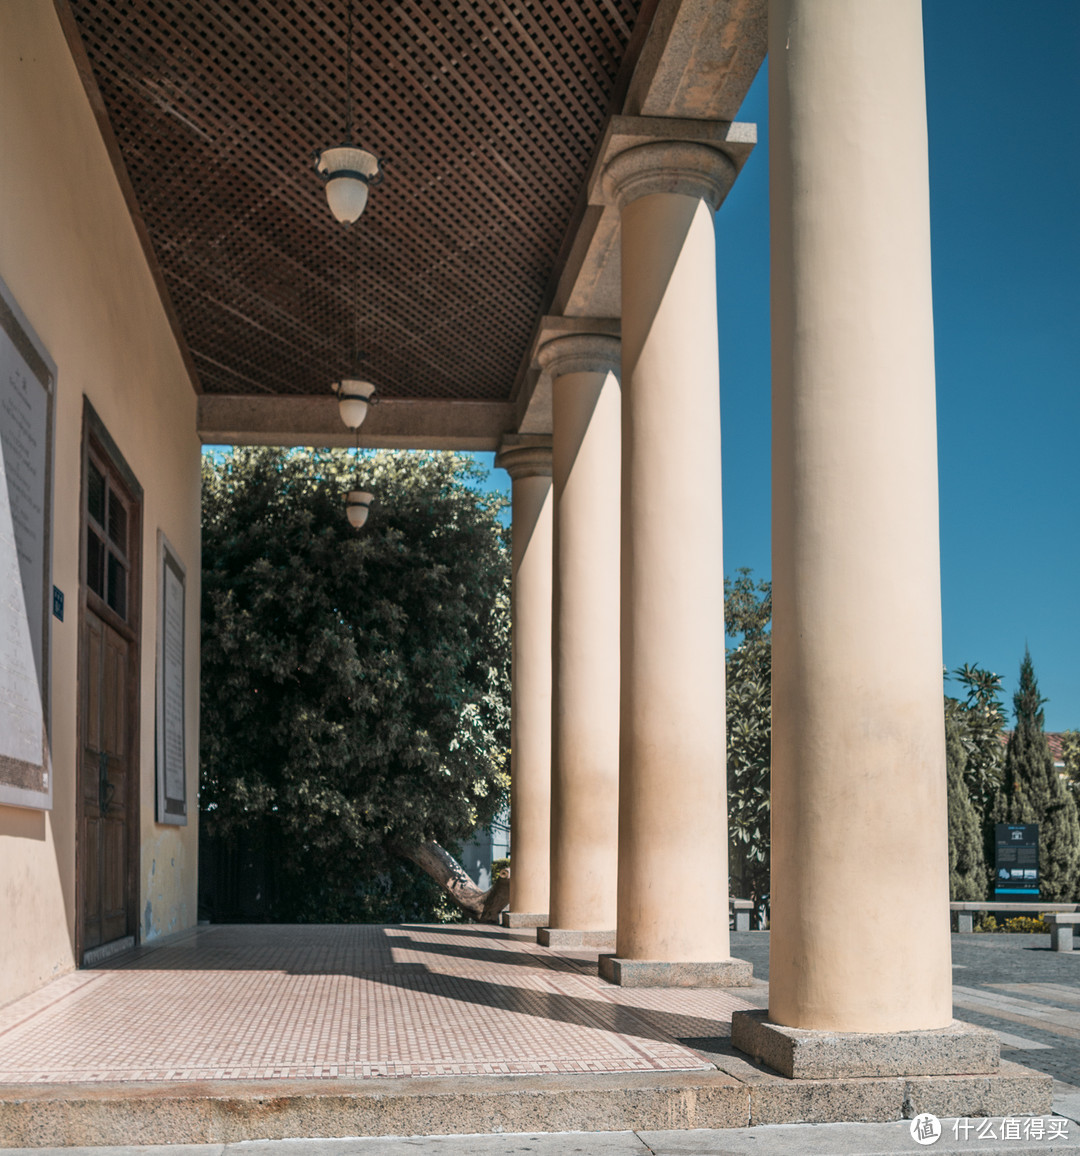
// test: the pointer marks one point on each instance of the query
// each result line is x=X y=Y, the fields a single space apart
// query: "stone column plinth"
x=585 y=640
x=672 y=910
x=860 y=916
x=528 y=461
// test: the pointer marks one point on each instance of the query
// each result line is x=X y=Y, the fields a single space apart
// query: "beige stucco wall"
x=70 y=255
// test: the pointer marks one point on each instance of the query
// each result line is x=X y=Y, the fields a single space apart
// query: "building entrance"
x=108 y=794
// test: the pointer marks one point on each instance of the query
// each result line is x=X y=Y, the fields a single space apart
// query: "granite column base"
x=662 y=973
x=567 y=937
x=520 y=919
x=959 y=1049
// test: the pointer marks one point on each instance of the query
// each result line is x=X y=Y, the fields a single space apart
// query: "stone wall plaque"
x=171 y=745
x=27 y=392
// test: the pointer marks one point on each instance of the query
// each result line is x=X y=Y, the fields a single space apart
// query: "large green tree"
x=355 y=701
x=981 y=719
x=1070 y=749
x=974 y=747
x=1033 y=792
x=747 y=619
x=967 y=862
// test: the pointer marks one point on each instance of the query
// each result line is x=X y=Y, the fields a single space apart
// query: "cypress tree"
x=967 y=864
x=1032 y=792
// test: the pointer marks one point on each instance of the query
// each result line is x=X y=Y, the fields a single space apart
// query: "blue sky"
x=1003 y=104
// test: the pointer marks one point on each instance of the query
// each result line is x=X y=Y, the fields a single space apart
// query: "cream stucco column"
x=860 y=933
x=528 y=461
x=585 y=639
x=672 y=886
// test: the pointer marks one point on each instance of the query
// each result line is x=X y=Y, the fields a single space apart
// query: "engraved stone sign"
x=27 y=381
x=171 y=781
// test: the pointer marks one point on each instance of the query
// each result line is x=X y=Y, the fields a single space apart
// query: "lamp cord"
x=356 y=300
x=348 y=72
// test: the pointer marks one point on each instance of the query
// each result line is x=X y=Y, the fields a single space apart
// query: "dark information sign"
x=1016 y=861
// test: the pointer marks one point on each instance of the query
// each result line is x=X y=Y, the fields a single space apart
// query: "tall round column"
x=529 y=466
x=860 y=933
x=585 y=639
x=673 y=886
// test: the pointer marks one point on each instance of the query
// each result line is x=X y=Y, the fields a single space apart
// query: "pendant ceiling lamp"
x=347 y=170
x=357 y=506
x=357 y=501
x=353 y=397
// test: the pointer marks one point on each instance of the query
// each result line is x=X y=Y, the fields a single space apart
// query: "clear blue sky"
x=1003 y=99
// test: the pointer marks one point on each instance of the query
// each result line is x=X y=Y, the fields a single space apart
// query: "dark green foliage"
x=748 y=613
x=978 y=722
x=983 y=723
x=355 y=683
x=1032 y=792
x=1070 y=749
x=967 y=864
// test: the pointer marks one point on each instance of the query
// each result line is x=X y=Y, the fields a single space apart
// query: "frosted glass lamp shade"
x=354 y=397
x=348 y=172
x=346 y=197
x=357 y=505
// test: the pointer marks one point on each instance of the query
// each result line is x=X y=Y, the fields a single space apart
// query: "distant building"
x=485 y=845
x=1056 y=741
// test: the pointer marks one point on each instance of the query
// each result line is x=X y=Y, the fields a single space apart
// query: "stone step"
x=209 y=1112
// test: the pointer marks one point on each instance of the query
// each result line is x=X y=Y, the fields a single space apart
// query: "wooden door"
x=108 y=702
x=106 y=770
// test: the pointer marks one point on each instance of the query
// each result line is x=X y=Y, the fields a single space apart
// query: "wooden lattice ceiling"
x=487 y=111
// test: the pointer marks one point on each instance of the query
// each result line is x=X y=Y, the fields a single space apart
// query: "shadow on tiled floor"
x=254 y=1001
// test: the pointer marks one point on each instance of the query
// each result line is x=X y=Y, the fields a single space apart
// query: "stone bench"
x=965 y=912
x=1061 y=929
x=741 y=909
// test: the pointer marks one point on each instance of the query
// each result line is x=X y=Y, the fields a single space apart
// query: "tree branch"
x=437 y=863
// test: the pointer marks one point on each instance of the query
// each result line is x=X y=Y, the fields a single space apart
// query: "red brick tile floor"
x=251 y=1002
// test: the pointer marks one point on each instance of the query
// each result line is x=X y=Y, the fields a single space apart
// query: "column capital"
x=525 y=457
x=683 y=167
x=580 y=353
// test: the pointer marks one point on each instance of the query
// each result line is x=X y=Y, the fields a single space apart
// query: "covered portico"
x=537 y=276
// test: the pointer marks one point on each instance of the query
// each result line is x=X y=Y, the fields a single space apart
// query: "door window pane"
x=95 y=494
x=117 y=521
x=95 y=562
x=117 y=585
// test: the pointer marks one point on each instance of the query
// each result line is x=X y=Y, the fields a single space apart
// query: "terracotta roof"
x=1055 y=740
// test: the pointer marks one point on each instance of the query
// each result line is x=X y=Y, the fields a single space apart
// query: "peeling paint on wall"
x=168 y=909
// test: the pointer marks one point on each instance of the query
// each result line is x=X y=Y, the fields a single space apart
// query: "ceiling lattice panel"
x=486 y=111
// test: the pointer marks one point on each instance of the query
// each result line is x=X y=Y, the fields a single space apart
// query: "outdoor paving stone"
x=993 y=964
x=839 y=1139
x=767 y=1140
x=513 y=1144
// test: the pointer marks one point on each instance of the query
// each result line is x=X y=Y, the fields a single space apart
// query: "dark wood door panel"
x=113 y=877
x=108 y=795
x=91 y=681
x=91 y=868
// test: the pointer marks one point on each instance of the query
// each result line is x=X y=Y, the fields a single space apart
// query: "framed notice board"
x=27 y=394
x=1016 y=861
x=171 y=713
